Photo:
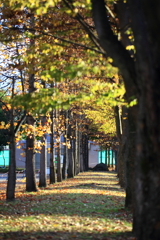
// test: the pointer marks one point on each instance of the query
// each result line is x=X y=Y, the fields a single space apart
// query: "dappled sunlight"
x=97 y=174
x=91 y=204
x=86 y=191
x=57 y=222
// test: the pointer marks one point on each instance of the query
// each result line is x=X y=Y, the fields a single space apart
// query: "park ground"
x=89 y=206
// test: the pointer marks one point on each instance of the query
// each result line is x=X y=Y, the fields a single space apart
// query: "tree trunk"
x=146 y=222
x=122 y=13
x=10 y=195
x=59 y=168
x=130 y=158
x=147 y=175
x=65 y=163
x=30 y=140
x=70 y=156
x=81 y=156
x=118 y=121
x=141 y=77
x=65 y=159
x=30 y=159
x=112 y=158
x=70 y=163
x=11 y=184
x=43 y=164
x=85 y=152
x=52 y=164
x=116 y=165
x=77 y=150
x=43 y=159
x=64 y=168
x=74 y=156
x=123 y=149
x=81 y=165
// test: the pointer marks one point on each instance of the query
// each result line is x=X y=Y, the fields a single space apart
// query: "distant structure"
x=96 y=155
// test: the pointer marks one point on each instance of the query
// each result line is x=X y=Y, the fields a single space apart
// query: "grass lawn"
x=90 y=206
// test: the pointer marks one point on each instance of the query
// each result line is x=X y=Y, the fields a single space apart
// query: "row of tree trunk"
x=139 y=155
x=75 y=154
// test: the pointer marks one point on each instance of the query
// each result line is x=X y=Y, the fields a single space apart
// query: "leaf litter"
x=89 y=206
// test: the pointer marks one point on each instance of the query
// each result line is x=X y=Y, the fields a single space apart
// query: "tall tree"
x=30 y=157
x=65 y=148
x=58 y=147
x=52 y=160
x=30 y=141
x=141 y=77
x=70 y=150
x=10 y=195
x=43 y=157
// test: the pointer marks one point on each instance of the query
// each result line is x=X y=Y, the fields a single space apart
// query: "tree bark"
x=130 y=158
x=30 y=159
x=11 y=184
x=141 y=77
x=59 y=168
x=65 y=158
x=73 y=156
x=70 y=164
x=64 y=168
x=30 y=140
x=85 y=152
x=10 y=195
x=122 y=130
x=65 y=152
x=43 y=158
x=81 y=155
x=77 y=151
x=70 y=156
x=52 y=164
x=146 y=222
x=118 y=122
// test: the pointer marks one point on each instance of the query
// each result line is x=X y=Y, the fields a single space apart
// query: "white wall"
x=93 y=154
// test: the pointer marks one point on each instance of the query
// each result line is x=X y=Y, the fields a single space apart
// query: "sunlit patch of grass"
x=82 y=207
x=69 y=223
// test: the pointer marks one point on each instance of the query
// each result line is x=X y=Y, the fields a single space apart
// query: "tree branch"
x=86 y=27
x=20 y=123
x=114 y=48
x=59 y=38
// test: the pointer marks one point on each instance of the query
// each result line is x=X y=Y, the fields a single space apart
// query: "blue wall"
x=102 y=155
x=4 y=158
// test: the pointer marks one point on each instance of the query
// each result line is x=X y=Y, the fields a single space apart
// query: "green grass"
x=90 y=206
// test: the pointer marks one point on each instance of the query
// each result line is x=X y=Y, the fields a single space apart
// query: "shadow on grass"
x=89 y=204
x=83 y=199
x=95 y=186
x=96 y=179
x=66 y=235
x=99 y=173
x=69 y=204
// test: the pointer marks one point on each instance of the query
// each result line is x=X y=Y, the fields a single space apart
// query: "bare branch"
x=61 y=39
